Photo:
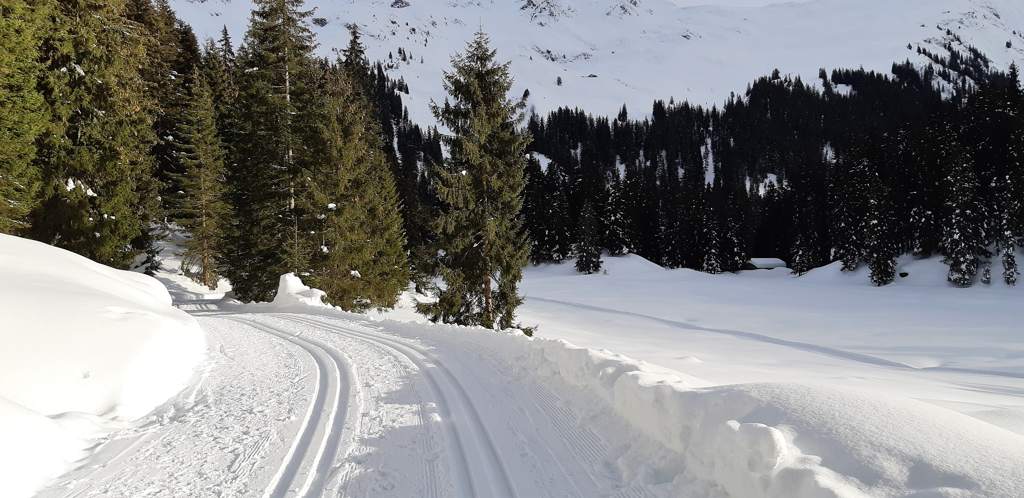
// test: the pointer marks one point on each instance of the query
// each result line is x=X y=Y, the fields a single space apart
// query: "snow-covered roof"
x=767 y=263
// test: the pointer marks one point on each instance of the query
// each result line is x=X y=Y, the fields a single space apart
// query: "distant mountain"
x=614 y=52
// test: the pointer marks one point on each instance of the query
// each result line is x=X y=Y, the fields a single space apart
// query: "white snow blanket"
x=779 y=440
x=80 y=340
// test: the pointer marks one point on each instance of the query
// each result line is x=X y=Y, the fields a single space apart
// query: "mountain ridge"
x=608 y=53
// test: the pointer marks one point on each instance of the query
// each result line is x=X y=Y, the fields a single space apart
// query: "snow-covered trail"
x=310 y=405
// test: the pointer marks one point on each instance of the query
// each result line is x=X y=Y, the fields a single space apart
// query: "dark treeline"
x=872 y=167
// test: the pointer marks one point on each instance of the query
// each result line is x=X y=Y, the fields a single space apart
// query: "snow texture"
x=80 y=341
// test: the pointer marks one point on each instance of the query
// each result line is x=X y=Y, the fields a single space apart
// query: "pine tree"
x=734 y=247
x=588 y=248
x=712 y=243
x=879 y=251
x=219 y=70
x=361 y=262
x=23 y=116
x=480 y=233
x=272 y=153
x=804 y=250
x=616 y=238
x=354 y=62
x=961 y=240
x=172 y=53
x=847 y=211
x=202 y=208
x=99 y=195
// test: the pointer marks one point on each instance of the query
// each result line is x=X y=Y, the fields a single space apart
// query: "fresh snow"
x=614 y=52
x=85 y=347
x=641 y=381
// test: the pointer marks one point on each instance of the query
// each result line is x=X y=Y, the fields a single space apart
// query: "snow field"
x=760 y=440
x=86 y=348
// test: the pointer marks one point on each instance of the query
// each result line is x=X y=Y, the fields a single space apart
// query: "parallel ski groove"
x=500 y=484
x=332 y=396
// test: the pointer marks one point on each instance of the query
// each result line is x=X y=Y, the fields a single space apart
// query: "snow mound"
x=80 y=338
x=794 y=440
x=291 y=293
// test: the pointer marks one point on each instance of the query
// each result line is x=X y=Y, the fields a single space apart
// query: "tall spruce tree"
x=272 y=153
x=202 y=208
x=99 y=195
x=616 y=236
x=712 y=243
x=361 y=262
x=23 y=116
x=480 y=234
x=588 y=244
x=880 y=253
x=962 y=236
x=167 y=73
x=850 y=174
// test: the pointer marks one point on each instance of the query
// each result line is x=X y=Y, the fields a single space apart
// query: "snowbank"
x=793 y=440
x=80 y=338
x=763 y=440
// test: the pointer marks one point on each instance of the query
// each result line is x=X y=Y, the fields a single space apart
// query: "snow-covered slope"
x=611 y=52
x=80 y=341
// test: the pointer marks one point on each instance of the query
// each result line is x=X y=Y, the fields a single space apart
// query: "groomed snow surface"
x=819 y=386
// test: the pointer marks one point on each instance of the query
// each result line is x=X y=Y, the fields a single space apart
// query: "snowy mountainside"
x=614 y=52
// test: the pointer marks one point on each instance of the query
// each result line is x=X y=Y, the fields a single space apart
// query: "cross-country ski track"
x=336 y=406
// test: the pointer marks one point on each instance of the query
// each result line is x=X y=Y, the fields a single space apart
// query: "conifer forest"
x=117 y=119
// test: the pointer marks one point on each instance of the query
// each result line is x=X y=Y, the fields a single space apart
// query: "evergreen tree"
x=202 y=208
x=273 y=151
x=361 y=262
x=962 y=237
x=879 y=251
x=804 y=251
x=99 y=194
x=734 y=250
x=617 y=232
x=219 y=71
x=172 y=54
x=588 y=248
x=712 y=243
x=23 y=115
x=354 y=62
x=847 y=211
x=480 y=233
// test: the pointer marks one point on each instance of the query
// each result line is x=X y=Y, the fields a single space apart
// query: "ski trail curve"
x=480 y=469
x=314 y=450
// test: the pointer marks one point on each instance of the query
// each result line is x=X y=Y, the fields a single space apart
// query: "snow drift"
x=767 y=440
x=80 y=340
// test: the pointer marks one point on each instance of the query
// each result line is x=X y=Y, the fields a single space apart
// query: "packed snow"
x=614 y=52
x=85 y=348
x=640 y=381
